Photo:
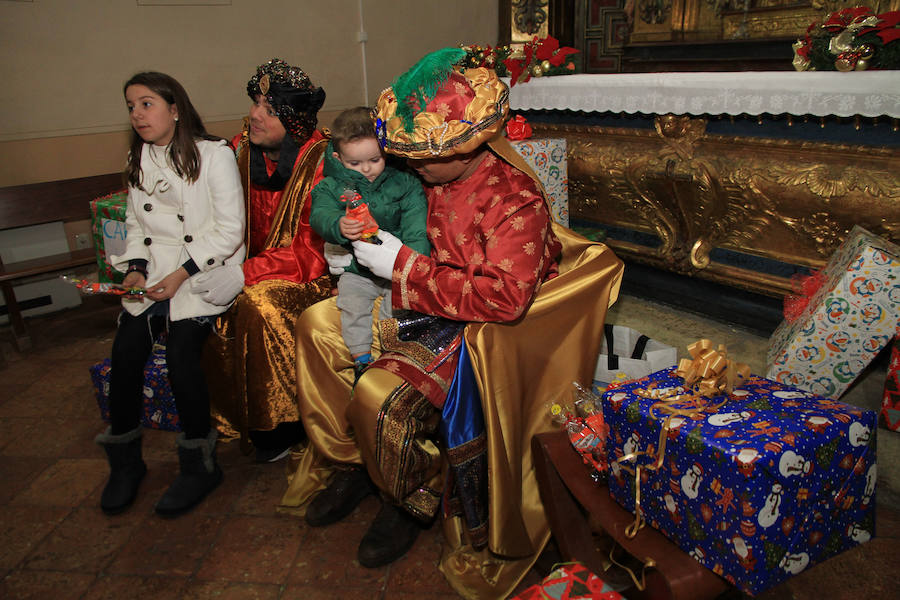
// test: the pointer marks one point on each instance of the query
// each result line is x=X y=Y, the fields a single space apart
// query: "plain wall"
x=62 y=114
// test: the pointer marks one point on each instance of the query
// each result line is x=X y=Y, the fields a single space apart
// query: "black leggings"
x=184 y=346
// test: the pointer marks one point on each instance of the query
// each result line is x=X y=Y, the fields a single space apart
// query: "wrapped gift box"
x=159 y=404
x=846 y=323
x=108 y=227
x=890 y=402
x=547 y=156
x=570 y=582
x=774 y=481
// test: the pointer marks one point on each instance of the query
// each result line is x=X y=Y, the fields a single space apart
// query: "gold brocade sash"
x=709 y=373
x=285 y=222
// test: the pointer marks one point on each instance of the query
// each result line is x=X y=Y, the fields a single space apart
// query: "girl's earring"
x=176 y=119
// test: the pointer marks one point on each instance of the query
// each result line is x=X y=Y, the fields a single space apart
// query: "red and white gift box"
x=846 y=323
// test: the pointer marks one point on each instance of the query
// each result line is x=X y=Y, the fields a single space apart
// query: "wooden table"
x=567 y=491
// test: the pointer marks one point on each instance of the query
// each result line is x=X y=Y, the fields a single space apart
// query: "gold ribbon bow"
x=710 y=372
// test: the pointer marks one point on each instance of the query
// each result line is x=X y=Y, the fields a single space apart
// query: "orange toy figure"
x=359 y=210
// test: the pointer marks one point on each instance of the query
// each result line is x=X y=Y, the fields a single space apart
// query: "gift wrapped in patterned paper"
x=547 y=156
x=890 y=401
x=852 y=316
x=159 y=403
x=770 y=481
x=571 y=581
x=108 y=228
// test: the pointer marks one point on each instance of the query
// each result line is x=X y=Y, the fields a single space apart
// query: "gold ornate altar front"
x=780 y=200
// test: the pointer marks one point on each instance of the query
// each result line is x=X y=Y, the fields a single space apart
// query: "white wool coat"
x=203 y=220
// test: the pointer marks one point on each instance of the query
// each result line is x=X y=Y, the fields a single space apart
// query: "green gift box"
x=108 y=227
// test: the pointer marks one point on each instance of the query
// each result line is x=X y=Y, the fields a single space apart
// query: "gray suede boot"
x=126 y=469
x=199 y=475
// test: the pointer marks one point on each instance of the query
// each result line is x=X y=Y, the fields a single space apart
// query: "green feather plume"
x=413 y=89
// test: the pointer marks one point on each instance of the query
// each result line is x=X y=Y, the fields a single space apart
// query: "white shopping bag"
x=626 y=354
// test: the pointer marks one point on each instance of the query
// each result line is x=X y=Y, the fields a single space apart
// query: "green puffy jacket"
x=396 y=201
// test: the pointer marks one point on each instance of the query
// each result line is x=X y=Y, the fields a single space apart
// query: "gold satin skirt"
x=249 y=360
x=521 y=370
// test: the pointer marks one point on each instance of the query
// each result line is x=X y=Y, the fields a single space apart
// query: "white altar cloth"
x=817 y=93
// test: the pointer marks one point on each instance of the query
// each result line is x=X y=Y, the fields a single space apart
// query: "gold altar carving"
x=783 y=200
x=528 y=18
x=710 y=20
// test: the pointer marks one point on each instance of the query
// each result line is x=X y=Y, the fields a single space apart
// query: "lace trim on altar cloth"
x=865 y=93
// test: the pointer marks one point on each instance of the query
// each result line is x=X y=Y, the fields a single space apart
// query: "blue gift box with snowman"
x=770 y=482
x=159 y=403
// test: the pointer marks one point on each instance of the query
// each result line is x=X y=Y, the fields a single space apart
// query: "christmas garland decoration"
x=537 y=58
x=852 y=39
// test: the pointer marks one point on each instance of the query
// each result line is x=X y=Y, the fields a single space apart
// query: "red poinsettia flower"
x=840 y=19
x=514 y=66
x=889 y=19
x=889 y=27
x=538 y=51
x=885 y=21
x=889 y=35
x=561 y=54
x=519 y=68
x=549 y=49
x=529 y=51
x=546 y=47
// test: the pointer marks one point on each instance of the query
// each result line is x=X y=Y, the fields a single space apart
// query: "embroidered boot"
x=199 y=475
x=126 y=469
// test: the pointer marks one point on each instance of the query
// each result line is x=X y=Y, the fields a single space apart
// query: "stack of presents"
x=757 y=478
x=108 y=228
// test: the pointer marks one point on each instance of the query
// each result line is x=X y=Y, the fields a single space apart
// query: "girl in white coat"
x=185 y=215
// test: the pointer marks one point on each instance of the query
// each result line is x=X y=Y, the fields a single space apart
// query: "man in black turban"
x=251 y=360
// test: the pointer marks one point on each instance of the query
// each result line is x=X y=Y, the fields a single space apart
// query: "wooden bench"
x=35 y=204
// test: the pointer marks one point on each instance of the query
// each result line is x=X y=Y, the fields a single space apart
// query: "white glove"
x=337 y=257
x=219 y=286
x=378 y=258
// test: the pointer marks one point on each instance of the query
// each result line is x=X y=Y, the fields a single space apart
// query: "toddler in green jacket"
x=355 y=164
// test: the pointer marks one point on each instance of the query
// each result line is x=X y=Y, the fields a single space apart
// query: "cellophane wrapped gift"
x=584 y=425
x=890 y=402
x=159 y=403
x=770 y=482
x=547 y=157
x=108 y=228
x=846 y=322
x=570 y=582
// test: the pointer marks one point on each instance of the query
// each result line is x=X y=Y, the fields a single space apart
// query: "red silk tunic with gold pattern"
x=492 y=247
x=299 y=262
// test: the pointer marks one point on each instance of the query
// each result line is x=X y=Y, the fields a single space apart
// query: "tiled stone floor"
x=56 y=544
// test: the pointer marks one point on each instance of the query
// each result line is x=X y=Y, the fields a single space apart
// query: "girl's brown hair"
x=189 y=128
